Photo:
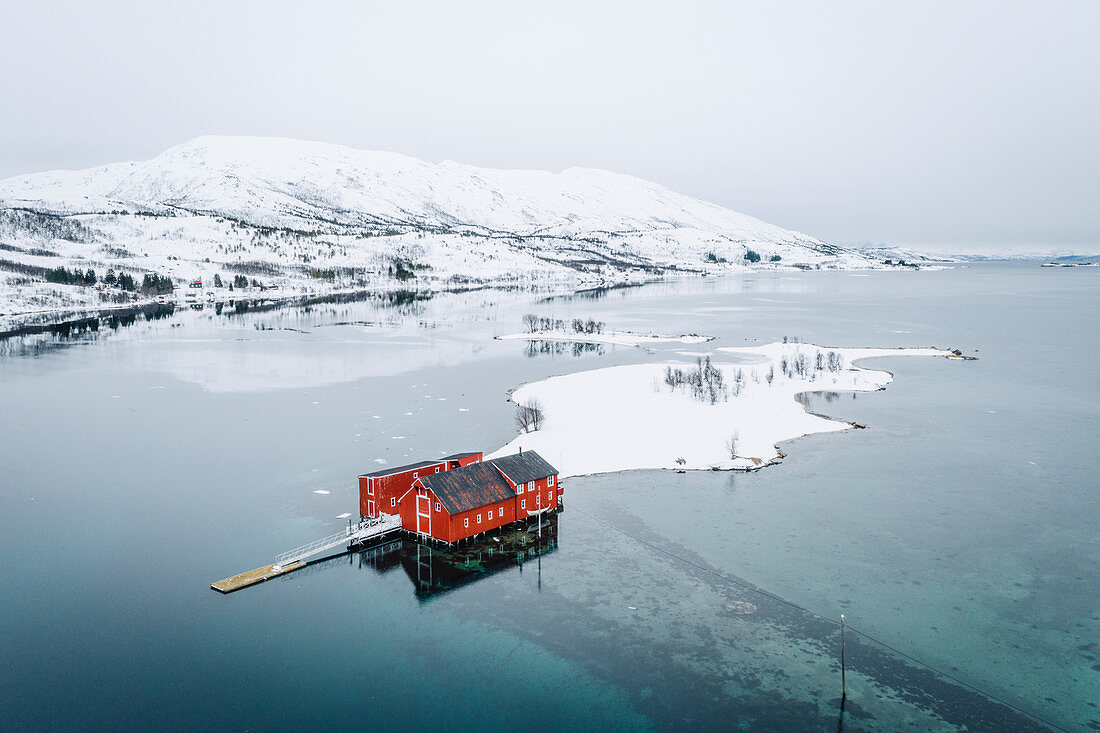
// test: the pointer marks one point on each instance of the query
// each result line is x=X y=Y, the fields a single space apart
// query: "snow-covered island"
x=256 y=217
x=729 y=412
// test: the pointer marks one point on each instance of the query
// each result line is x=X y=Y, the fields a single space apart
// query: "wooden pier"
x=252 y=577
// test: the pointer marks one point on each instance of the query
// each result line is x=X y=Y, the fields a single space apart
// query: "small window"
x=522 y=503
x=414 y=474
x=479 y=519
x=550 y=481
x=437 y=469
x=519 y=489
x=530 y=485
x=466 y=522
x=437 y=506
x=393 y=501
x=490 y=515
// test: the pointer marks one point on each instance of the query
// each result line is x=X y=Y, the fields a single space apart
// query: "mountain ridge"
x=291 y=209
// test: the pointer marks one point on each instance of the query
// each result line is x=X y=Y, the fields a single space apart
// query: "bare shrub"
x=530 y=415
x=731 y=444
x=705 y=381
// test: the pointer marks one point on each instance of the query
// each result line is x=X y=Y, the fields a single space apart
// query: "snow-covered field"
x=312 y=218
x=627 y=417
x=618 y=338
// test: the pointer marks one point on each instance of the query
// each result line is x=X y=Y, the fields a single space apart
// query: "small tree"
x=752 y=256
x=217 y=280
x=529 y=415
x=531 y=322
x=731 y=444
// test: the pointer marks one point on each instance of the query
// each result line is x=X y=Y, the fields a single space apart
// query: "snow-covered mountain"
x=310 y=217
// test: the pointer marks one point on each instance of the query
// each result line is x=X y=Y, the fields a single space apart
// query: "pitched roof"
x=524 y=467
x=459 y=456
x=401 y=469
x=470 y=487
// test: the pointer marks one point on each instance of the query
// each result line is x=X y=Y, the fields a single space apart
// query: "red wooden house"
x=461 y=496
x=458 y=504
x=379 y=491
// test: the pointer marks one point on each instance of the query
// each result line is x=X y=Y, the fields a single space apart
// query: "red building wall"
x=527 y=502
x=466 y=524
x=384 y=491
x=442 y=525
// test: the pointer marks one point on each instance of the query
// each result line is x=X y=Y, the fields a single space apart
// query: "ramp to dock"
x=286 y=562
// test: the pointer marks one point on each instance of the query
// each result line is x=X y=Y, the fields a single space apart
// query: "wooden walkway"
x=252 y=577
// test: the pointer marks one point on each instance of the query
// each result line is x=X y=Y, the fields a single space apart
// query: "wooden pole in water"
x=843 y=684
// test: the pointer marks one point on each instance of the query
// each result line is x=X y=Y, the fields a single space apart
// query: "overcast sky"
x=948 y=125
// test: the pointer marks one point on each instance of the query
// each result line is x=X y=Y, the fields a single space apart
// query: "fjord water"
x=959 y=529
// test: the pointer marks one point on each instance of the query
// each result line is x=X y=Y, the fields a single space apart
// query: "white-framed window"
x=550 y=496
x=490 y=515
x=393 y=501
x=550 y=480
x=479 y=519
x=519 y=489
x=437 y=469
x=522 y=503
x=530 y=485
x=414 y=474
x=437 y=506
x=466 y=522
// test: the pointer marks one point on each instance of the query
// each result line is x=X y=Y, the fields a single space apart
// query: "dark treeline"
x=535 y=323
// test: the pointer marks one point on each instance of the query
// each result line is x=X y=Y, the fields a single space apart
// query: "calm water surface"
x=959 y=529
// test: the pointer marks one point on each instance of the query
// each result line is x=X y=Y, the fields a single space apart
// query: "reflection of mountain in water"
x=435 y=571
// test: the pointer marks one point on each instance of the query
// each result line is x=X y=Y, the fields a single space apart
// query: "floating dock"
x=252 y=577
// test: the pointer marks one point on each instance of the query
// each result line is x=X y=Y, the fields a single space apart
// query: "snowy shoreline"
x=617 y=338
x=628 y=417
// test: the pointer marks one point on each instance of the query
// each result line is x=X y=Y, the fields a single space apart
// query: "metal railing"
x=353 y=533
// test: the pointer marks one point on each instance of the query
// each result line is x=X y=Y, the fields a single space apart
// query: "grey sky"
x=949 y=125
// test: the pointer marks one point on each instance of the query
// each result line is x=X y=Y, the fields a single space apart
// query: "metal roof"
x=470 y=487
x=524 y=467
x=479 y=484
x=401 y=469
x=460 y=456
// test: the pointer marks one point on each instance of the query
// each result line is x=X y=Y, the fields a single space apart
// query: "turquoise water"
x=959 y=529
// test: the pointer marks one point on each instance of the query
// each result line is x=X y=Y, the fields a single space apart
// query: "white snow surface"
x=312 y=218
x=626 y=417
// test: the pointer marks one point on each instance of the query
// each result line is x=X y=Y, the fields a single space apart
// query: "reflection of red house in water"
x=461 y=496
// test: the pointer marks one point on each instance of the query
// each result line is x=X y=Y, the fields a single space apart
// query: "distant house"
x=461 y=496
